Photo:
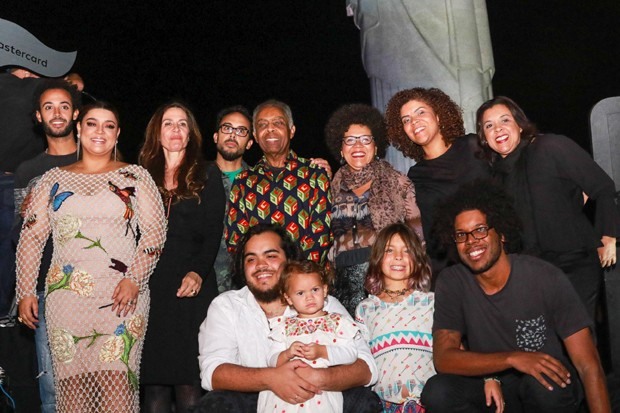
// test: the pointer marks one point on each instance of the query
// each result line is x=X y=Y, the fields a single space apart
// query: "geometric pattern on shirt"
x=297 y=197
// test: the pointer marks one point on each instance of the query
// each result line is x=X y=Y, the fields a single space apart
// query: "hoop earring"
x=115 y=151
x=78 y=148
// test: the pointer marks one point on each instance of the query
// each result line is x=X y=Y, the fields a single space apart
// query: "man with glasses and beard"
x=520 y=320
x=232 y=138
x=234 y=344
x=56 y=108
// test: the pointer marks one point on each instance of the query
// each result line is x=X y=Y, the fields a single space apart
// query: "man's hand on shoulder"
x=536 y=364
x=286 y=382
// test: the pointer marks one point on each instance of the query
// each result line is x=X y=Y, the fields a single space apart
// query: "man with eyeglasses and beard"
x=281 y=188
x=520 y=320
x=234 y=338
x=232 y=138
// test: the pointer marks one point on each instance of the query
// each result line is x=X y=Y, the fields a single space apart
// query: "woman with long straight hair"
x=184 y=283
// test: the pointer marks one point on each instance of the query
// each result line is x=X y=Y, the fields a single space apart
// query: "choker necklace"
x=396 y=293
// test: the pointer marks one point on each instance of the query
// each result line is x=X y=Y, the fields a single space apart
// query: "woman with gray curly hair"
x=368 y=195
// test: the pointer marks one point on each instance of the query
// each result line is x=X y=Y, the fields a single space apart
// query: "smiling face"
x=56 y=113
x=420 y=123
x=396 y=264
x=306 y=293
x=98 y=132
x=501 y=131
x=174 y=130
x=231 y=146
x=272 y=133
x=480 y=255
x=263 y=258
x=358 y=155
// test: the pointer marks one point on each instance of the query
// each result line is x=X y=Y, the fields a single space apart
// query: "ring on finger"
x=194 y=292
x=21 y=320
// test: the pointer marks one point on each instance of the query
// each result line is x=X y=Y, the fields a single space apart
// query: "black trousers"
x=522 y=394
x=356 y=400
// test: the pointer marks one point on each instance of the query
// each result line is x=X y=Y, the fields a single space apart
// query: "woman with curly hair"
x=368 y=195
x=183 y=284
x=547 y=176
x=426 y=125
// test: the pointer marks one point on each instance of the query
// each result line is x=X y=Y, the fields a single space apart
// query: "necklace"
x=396 y=293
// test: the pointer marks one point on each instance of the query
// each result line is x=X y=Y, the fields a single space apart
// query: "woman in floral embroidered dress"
x=97 y=298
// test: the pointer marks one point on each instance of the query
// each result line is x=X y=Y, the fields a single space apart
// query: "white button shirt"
x=236 y=331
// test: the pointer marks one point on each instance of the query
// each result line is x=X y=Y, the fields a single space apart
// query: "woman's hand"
x=493 y=393
x=607 y=253
x=125 y=297
x=28 y=311
x=322 y=163
x=190 y=285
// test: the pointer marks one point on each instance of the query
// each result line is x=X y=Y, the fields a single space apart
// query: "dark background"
x=555 y=58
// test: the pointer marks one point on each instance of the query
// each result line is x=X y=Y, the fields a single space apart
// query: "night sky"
x=555 y=58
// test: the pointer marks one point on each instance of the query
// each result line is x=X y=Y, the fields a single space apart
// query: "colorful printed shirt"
x=401 y=341
x=223 y=259
x=297 y=197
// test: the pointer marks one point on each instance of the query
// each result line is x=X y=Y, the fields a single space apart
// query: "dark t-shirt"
x=535 y=311
x=436 y=179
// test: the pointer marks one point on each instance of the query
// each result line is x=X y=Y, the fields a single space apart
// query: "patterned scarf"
x=385 y=202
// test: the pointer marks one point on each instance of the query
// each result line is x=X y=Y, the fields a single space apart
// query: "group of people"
x=231 y=267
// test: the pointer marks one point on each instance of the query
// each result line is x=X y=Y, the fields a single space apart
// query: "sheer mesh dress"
x=105 y=227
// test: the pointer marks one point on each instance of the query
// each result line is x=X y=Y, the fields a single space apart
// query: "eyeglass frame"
x=235 y=130
x=358 y=139
x=485 y=228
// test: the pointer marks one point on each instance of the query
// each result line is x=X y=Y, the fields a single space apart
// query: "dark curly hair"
x=355 y=114
x=48 y=84
x=450 y=119
x=528 y=133
x=420 y=277
x=492 y=201
x=290 y=248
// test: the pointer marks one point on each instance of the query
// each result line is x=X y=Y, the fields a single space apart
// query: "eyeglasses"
x=240 y=131
x=478 y=233
x=363 y=139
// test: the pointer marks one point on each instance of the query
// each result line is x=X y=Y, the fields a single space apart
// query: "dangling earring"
x=78 y=147
x=116 y=143
x=342 y=160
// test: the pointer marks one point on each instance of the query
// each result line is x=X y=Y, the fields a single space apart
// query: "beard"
x=53 y=133
x=265 y=296
x=231 y=155
x=495 y=252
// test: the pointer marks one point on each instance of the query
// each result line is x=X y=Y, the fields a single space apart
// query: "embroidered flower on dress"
x=78 y=281
x=67 y=227
x=136 y=325
x=120 y=348
x=82 y=283
x=54 y=275
x=62 y=345
x=112 y=349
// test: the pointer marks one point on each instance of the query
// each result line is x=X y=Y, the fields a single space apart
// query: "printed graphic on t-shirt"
x=531 y=334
